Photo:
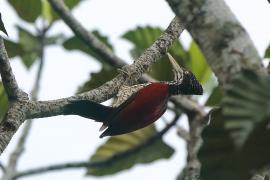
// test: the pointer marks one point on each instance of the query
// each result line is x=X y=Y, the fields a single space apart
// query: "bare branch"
x=8 y=78
x=11 y=168
x=86 y=164
x=87 y=37
x=225 y=43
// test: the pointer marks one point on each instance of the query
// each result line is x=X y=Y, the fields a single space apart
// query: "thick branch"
x=87 y=164
x=225 y=43
x=151 y=55
x=11 y=167
x=8 y=78
x=38 y=109
x=87 y=37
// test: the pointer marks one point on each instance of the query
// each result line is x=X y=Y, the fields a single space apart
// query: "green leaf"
x=247 y=101
x=2 y=26
x=215 y=98
x=97 y=79
x=31 y=47
x=142 y=38
x=222 y=159
x=198 y=64
x=217 y=151
x=28 y=10
x=75 y=43
x=72 y=3
x=267 y=53
x=49 y=14
x=3 y=102
x=123 y=152
x=255 y=151
x=13 y=49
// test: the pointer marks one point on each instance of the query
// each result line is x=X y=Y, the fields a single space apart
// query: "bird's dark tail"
x=89 y=109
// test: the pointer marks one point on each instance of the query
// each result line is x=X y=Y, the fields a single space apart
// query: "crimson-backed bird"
x=137 y=106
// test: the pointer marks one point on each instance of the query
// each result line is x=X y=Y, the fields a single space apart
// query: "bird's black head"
x=189 y=85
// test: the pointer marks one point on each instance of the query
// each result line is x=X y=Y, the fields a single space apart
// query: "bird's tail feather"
x=89 y=109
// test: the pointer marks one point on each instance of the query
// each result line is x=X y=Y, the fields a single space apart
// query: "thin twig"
x=11 y=167
x=86 y=164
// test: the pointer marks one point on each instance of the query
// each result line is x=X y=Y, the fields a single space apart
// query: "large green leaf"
x=2 y=26
x=3 y=102
x=246 y=102
x=28 y=48
x=123 y=152
x=31 y=46
x=13 y=49
x=198 y=64
x=28 y=10
x=142 y=38
x=236 y=143
x=218 y=150
x=75 y=43
x=222 y=159
x=49 y=14
x=215 y=97
x=99 y=78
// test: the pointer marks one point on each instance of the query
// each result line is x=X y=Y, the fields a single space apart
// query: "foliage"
x=142 y=38
x=198 y=64
x=74 y=43
x=98 y=78
x=123 y=152
x=30 y=10
x=215 y=97
x=267 y=53
x=237 y=140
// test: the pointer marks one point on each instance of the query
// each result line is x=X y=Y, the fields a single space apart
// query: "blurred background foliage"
x=236 y=141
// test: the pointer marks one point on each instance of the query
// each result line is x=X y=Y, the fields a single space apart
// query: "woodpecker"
x=137 y=106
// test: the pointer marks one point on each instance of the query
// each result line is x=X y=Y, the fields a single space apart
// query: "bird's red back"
x=142 y=109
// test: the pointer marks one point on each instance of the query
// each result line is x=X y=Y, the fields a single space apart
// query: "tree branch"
x=8 y=78
x=109 y=89
x=37 y=109
x=225 y=43
x=197 y=122
x=11 y=167
x=86 y=164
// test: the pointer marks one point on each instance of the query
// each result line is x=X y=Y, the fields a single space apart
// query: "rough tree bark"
x=223 y=40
